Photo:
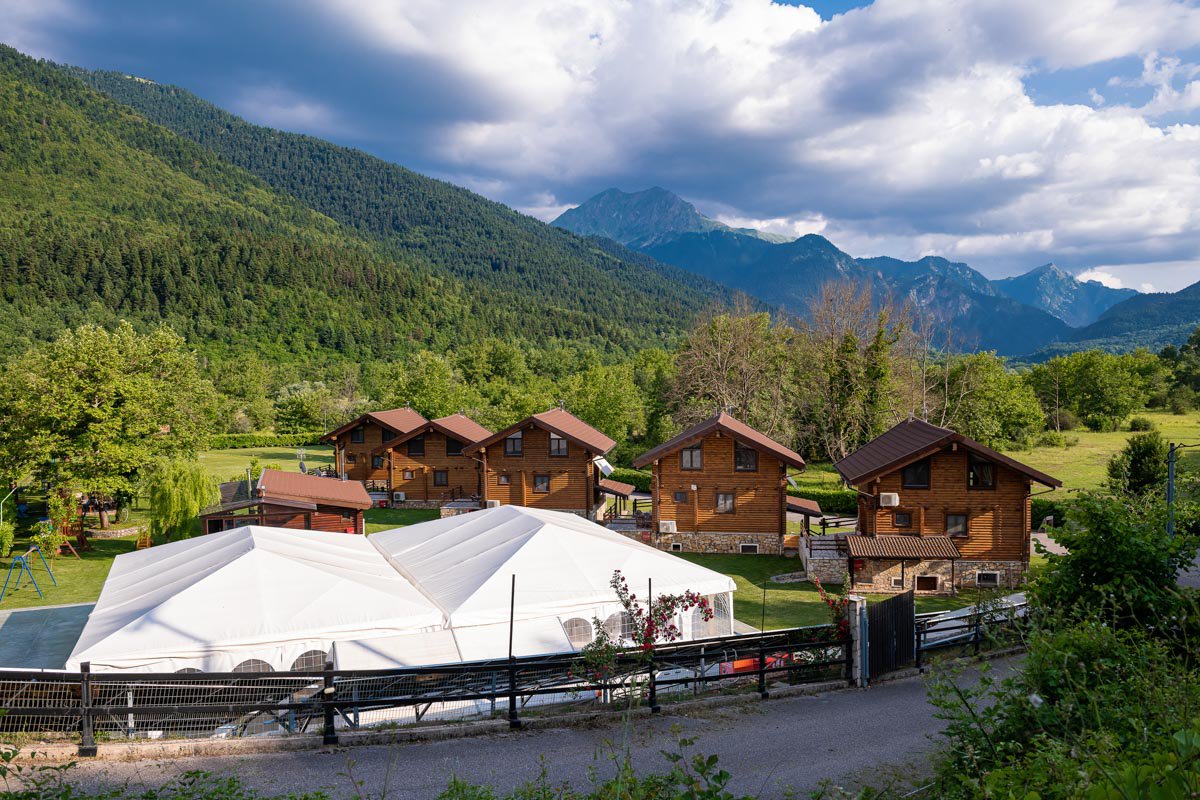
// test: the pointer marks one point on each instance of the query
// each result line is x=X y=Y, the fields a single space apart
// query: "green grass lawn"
x=225 y=465
x=789 y=605
x=79 y=580
x=383 y=519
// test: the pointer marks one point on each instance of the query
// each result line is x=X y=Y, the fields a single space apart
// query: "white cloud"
x=28 y=25
x=283 y=108
x=1102 y=276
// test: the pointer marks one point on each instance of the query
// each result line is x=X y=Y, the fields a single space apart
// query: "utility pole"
x=1171 y=490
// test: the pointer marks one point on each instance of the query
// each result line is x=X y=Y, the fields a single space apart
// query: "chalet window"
x=504 y=480
x=358 y=435
x=745 y=458
x=441 y=477
x=347 y=515
x=956 y=524
x=987 y=580
x=897 y=582
x=351 y=458
x=453 y=446
x=386 y=436
x=927 y=583
x=981 y=474
x=916 y=476
x=748 y=549
x=416 y=445
x=514 y=445
x=676 y=547
x=724 y=502
x=680 y=497
x=376 y=462
x=408 y=474
x=691 y=457
x=558 y=446
x=541 y=484
x=902 y=519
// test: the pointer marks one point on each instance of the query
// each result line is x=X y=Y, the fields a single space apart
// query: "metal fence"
x=86 y=707
x=970 y=628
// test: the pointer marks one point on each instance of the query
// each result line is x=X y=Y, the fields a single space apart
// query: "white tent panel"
x=264 y=593
x=392 y=652
x=465 y=564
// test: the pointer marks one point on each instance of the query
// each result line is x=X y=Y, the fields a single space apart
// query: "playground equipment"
x=21 y=565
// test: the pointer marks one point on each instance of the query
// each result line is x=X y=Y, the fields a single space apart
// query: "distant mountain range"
x=1046 y=307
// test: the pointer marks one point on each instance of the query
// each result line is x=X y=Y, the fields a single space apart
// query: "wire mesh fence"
x=89 y=707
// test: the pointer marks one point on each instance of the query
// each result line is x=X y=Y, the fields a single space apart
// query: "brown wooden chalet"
x=429 y=463
x=289 y=500
x=357 y=445
x=720 y=487
x=546 y=461
x=938 y=510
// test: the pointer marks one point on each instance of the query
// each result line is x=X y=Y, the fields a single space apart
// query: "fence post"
x=762 y=668
x=513 y=721
x=978 y=630
x=87 y=745
x=918 y=637
x=856 y=615
x=329 y=732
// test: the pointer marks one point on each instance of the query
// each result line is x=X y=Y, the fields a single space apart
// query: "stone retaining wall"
x=113 y=533
x=877 y=575
x=689 y=542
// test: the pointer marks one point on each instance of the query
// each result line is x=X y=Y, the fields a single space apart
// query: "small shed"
x=289 y=500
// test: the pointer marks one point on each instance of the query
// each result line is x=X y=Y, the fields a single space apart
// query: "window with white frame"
x=725 y=503
x=748 y=548
x=541 y=484
x=989 y=579
x=676 y=547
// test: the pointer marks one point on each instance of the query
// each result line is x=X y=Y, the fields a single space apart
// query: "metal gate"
x=891 y=634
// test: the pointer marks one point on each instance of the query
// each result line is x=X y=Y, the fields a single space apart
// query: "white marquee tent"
x=433 y=593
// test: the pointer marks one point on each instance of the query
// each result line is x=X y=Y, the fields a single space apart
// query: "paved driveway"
x=769 y=748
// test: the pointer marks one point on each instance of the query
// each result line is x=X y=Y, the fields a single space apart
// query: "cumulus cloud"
x=1101 y=276
x=289 y=110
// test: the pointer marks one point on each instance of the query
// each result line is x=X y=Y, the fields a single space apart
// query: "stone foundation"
x=829 y=571
x=454 y=511
x=689 y=542
x=879 y=576
x=417 y=504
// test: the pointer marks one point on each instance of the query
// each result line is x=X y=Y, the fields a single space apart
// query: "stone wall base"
x=417 y=504
x=716 y=542
x=880 y=576
x=829 y=571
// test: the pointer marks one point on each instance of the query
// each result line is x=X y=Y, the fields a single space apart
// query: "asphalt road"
x=770 y=748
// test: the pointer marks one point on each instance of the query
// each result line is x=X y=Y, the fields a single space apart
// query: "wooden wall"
x=998 y=519
x=572 y=478
x=462 y=471
x=758 y=496
x=362 y=470
x=325 y=518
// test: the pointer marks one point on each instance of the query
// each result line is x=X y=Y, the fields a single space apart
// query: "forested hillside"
x=543 y=281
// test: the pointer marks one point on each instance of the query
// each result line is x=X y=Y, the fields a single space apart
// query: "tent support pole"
x=513 y=721
x=329 y=733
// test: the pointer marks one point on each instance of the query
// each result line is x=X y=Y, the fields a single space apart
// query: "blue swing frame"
x=22 y=567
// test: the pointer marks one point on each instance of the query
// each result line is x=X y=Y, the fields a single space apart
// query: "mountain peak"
x=1058 y=292
x=638 y=218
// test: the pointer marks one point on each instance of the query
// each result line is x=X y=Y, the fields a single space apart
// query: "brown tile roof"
x=458 y=426
x=400 y=420
x=909 y=548
x=559 y=421
x=275 y=483
x=915 y=439
x=616 y=487
x=726 y=424
x=802 y=505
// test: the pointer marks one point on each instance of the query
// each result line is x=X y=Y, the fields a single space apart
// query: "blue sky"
x=1003 y=133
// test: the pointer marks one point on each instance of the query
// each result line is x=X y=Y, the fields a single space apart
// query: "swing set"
x=22 y=566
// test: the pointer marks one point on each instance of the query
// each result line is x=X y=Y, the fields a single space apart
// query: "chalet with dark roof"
x=358 y=445
x=289 y=500
x=429 y=465
x=547 y=460
x=938 y=511
x=720 y=487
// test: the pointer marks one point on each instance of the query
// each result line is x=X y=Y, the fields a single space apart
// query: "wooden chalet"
x=289 y=500
x=720 y=487
x=358 y=445
x=546 y=461
x=429 y=464
x=937 y=511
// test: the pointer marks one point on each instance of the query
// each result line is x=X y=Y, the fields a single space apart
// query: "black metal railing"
x=971 y=630
x=86 y=707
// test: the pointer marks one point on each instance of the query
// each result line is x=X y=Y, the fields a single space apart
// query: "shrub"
x=1141 y=466
x=640 y=478
x=1043 y=507
x=48 y=538
x=1050 y=439
x=1182 y=400
x=8 y=533
x=1068 y=420
x=1141 y=424
x=832 y=501
x=235 y=441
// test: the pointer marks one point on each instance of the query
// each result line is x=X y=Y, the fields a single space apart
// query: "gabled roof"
x=609 y=486
x=400 y=420
x=909 y=548
x=913 y=440
x=275 y=484
x=456 y=426
x=728 y=425
x=802 y=505
x=556 y=420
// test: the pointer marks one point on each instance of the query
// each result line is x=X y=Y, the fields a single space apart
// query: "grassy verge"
x=383 y=519
x=79 y=579
x=787 y=604
x=228 y=464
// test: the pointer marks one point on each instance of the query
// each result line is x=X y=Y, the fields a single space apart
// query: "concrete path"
x=771 y=748
x=41 y=638
x=1045 y=541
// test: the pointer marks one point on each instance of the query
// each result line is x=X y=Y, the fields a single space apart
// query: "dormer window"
x=745 y=458
x=916 y=475
x=514 y=445
x=416 y=445
x=981 y=473
x=358 y=435
x=386 y=436
x=453 y=446
x=558 y=446
x=691 y=458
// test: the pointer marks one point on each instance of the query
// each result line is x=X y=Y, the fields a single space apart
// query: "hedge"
x=640 y=478
x=1043 y=507
x=236 y=441
x=832 y=501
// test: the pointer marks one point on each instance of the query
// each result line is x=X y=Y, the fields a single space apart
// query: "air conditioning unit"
x=399 y=497
x=667 y=526
x=889 y=499
x=492 y=504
